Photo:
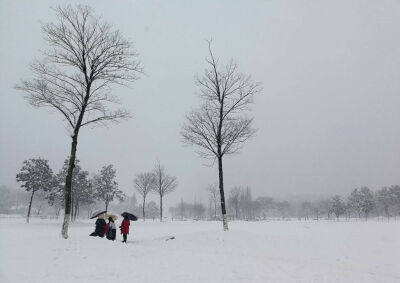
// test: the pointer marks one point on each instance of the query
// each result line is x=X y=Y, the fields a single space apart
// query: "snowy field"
x=276 y=251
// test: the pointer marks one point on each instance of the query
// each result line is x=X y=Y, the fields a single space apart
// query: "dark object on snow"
x=130 y=216
x=171 y=238
x=100 y=228
x=97 y=213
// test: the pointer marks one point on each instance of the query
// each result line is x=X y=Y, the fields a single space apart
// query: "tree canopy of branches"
x=163 y=184
x=362 y=201
x=85 y=56
x=106 y=188
x=35 y=175
x=144 y=183
x=219 y=127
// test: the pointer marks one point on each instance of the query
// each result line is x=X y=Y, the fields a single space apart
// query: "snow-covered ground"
x=275 y=251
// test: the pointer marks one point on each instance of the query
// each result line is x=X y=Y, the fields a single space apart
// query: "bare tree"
x=213 y=194
x=144 y=183
x=164 y=184
x=85 y=57
x=219 y=127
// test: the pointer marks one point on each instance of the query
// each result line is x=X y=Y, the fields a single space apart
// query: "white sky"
x=328 y=119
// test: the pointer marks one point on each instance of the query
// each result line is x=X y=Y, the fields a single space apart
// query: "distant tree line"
x=360 y=203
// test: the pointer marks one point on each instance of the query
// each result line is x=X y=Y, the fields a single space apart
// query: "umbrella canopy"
x=113 y=216
x=97 y=213
x=130 y=216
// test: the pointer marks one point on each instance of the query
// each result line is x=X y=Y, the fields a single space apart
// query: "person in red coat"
x=125 y=228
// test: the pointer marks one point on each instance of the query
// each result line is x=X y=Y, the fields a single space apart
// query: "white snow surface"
x=265 y=251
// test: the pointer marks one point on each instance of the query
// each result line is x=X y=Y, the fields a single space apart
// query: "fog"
x=328 y=117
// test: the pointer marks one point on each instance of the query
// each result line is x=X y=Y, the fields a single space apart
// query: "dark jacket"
x=100 y=227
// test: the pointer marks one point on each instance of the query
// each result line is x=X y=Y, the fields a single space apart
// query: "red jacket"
x=125 y=226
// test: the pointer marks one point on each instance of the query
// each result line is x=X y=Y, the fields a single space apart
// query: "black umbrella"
x=130 y=216
x=97 y=213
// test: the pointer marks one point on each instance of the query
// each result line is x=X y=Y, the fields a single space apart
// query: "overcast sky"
x=328 y=118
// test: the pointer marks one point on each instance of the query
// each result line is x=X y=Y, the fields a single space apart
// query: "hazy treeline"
x=360 y=203
x=45 y=191
x=44 y=195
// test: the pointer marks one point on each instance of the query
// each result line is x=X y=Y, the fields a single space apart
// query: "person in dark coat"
x=111 y=231
x=125 y=228
x=100 y=227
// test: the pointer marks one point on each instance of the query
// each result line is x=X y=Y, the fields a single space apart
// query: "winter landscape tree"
x=263 y=206
x=362 y=201
x=213 y=196
x=306 y=209
x=234 y=199
x=337 y=206
x=395 y=196
x=219 y=127
x=84 y=58
x=152 y=209
x=164 y=184
x=246 y=203
x=384 y=200
x=367 y=201
x=144 y=183
x=35 y=175
x=81 y=189
x=283 y=208
x=106 y=188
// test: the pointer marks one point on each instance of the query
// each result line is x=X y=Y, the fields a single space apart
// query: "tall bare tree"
x=84 y=58
x=164 y=184
x=219 y=127
x=144 y=183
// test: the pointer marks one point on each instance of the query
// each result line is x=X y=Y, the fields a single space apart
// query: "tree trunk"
x=106 y=205
x=222 y=194
x=72 y=209
x=160 y=208
x=143 y=212
x=68 y=185
x=39 y=209
x=30 y=206
x=71 y=165
x=76 y=209
x=215 y=209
